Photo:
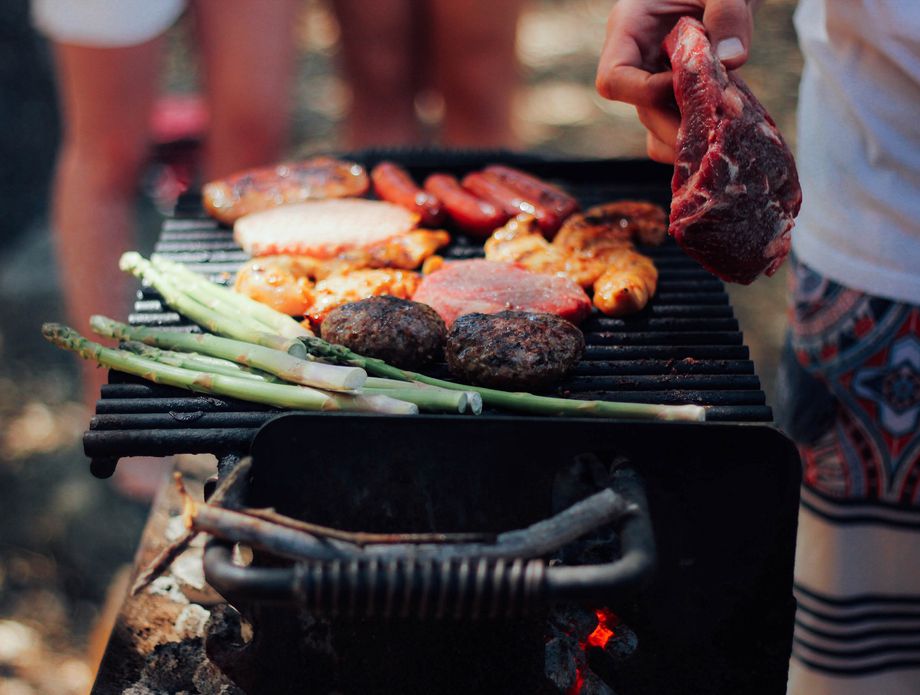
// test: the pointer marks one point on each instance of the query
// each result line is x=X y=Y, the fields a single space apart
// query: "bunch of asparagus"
x=255 y=353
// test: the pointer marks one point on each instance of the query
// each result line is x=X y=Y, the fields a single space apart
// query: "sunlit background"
x=64 y=535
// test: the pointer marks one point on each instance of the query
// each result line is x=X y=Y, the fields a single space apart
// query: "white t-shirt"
x=859 y=144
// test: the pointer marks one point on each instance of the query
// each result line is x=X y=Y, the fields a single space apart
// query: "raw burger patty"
x=513 y=350
x=488 y=287
x=324 y=228
x=404 y=333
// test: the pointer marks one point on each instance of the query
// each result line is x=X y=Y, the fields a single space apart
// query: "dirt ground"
x=63 y=534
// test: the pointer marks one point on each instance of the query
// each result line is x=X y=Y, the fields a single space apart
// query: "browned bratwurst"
x=513 y=350
x=403 y=333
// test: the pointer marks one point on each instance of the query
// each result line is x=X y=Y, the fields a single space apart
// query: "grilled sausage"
x=535 y=189
x=262 y=188
x=490 y=188
x=393 y=184
x=470 y=213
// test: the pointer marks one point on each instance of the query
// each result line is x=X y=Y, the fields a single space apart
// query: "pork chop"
x=488 y=287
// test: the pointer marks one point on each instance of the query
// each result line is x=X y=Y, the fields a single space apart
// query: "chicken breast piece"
x=611 y=224
x=323 y=229
x=352 y=285
x=521 y=241
x=628 y=283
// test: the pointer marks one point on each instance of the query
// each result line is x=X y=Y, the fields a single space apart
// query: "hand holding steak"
x=735 y=187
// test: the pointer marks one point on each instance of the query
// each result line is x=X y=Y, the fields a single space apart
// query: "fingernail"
x=729 y=48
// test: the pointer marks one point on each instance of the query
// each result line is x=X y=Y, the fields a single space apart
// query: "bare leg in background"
x=106 y=95
x=476 y=69
x=378 y=61
x=249 y=57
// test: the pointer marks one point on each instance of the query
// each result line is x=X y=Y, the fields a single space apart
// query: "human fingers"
x=631 y=46
x=730 y=24
x=659 y=151
x=662 y=123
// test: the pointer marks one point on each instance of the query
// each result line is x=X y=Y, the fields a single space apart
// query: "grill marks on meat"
x=513 y=350
x=351 y=285
x=285 y=282
x=521 y=241
x=263 y=188
x=611 y=224
x=489 y=287
x=324 y=228
x=593 y=249
x=735 y=187
x=404 y=333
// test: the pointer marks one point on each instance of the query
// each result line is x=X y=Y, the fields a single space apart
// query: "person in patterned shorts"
x=849 y=388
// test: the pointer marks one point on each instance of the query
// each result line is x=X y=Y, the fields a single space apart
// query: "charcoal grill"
x=685 y=347
x=722 y=495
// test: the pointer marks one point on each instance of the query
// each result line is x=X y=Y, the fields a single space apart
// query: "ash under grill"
x=685 y=347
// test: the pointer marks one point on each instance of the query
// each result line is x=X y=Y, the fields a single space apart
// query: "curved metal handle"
x=459 y=586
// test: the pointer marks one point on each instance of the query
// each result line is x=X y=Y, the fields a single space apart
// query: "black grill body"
x=722 y=495
x=716 y=617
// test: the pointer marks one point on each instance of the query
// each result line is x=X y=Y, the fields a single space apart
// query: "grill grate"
x=685 y=347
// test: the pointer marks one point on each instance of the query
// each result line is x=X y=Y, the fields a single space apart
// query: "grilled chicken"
x=263 y=188
x=282 y=282
x=605 y=233
x=407 y=251
x=628 y=283
x=594 y=251
x=521 y=241
x=351 y=285
x=610 y=224
x=285 y=282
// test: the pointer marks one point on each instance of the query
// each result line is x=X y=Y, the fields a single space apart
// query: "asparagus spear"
x=281 y=364
x=193 y=360
x=217 y=317
x=279 y=395
x=264 y=314
x=518 y=401
x=427 y=398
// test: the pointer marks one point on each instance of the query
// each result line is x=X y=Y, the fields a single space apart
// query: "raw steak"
x=735 y=187
x=488 y=287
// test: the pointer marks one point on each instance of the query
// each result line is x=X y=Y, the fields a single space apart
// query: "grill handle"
x=457 y=587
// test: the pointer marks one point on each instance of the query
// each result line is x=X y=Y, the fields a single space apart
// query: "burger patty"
x=513 y=350
x=403 y=333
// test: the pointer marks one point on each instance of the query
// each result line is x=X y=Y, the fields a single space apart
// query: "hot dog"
x=535 y=190
x=491 y=188
x=470 y=213
x=393 y=184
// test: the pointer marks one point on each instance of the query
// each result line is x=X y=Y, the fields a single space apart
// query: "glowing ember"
x=604 y=631
x=579 y=683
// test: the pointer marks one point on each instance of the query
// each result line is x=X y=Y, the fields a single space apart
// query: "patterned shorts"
x=858 y=363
